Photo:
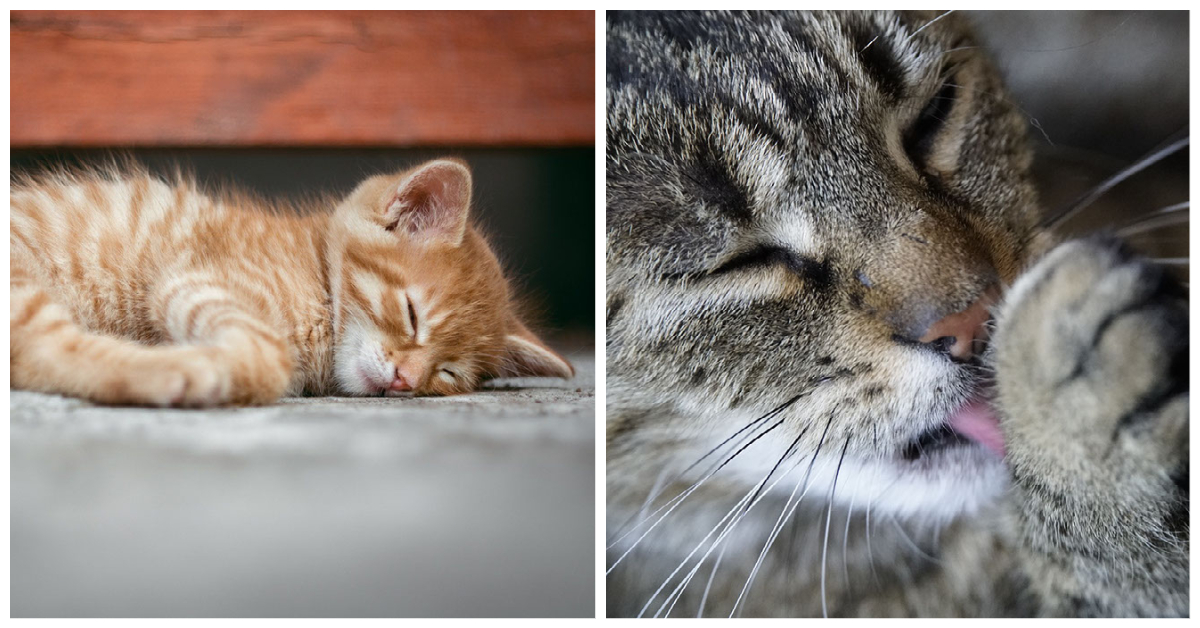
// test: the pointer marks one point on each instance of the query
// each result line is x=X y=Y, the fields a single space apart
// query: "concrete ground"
x=476 y=505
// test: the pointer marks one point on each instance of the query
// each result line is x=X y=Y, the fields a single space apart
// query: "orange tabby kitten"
x=129 y=290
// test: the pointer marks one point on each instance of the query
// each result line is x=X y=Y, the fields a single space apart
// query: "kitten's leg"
x=1091 y=358
x=255 y=360
x=49 y=352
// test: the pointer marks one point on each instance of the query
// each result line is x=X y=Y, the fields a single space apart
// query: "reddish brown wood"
x=302 y=78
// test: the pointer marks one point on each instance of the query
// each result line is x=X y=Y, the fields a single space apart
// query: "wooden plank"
x=284 y=78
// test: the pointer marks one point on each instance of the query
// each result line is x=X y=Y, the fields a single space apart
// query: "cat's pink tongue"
x=977 y=422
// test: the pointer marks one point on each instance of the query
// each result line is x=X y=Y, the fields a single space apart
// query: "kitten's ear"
x=432 y=202
x=526 y=356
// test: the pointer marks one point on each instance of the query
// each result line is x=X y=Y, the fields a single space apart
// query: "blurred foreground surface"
x=477 y=505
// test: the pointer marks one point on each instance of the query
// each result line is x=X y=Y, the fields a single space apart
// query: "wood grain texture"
x=202 y=78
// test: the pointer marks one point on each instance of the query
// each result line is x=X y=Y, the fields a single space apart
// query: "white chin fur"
x=948 y=483
x=952 y=482
x=357 y=357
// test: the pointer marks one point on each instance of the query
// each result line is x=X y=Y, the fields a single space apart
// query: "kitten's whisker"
x=1170 y=261
x=733 y=512
x=953 y=50
x=780 y=408
x=828 y=518
x=1009 y=99
x=1077 y=46
x=1056 y=218
x=788 y=451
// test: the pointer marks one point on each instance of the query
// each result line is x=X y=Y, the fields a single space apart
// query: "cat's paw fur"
x=1091 y=372
x=189 y=377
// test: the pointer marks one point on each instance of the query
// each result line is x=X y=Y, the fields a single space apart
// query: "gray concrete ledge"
x=476 y=505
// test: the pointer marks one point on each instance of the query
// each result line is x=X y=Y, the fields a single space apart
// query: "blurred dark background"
x=1114 y=82
x=1101 y=89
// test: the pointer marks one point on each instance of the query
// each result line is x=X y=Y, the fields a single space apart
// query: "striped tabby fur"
x=128 y=289
x=793 y=200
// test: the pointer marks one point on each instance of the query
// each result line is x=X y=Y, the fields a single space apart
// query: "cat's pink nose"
x=959 y=332
x=399 y=382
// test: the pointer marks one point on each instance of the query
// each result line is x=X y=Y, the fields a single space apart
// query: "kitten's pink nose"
x=959 y=331
x=399 y=382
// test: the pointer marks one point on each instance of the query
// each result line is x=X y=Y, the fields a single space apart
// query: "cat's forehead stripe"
x=365 y=261
x=370 y=287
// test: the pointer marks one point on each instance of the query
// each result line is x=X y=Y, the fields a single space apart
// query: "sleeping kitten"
x=126 y=289
x=815 y=222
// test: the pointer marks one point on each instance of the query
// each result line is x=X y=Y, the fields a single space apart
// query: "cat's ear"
x=431 y=203
x=527 y=356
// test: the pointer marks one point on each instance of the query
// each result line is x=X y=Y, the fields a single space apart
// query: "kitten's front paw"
x=1091 y=358
x=188 y=377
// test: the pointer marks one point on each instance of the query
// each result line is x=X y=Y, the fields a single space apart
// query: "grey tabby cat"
x=815 y=223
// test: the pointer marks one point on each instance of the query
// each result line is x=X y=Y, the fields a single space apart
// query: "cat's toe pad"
x=1089 y=335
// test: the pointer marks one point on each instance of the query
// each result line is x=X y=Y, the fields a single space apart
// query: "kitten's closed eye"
x=412 y=315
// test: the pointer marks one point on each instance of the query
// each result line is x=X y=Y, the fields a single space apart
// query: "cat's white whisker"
x=655 y=491
x=679 y=500
x=752 y=426
x=758 y=496
x=1057 y=218
x=828 y=519
x=784 y=515
x=913 y=545
x=737 y=513
x=867 y=535
x=1168 y=216
x=867 y=529
x=846 y=541
x=708 y=585
x=928 y=24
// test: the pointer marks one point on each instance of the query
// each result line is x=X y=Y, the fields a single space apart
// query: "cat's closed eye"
x=920 y=136
x=412 y=315
x=766 y=256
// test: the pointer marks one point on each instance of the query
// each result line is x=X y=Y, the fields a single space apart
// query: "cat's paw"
x=178 y=377
x=1090 y=353
x=1091 y=357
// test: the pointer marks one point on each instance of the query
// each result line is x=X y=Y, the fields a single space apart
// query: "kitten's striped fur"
x=130 y=289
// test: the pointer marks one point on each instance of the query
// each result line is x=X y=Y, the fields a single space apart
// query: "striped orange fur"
x=128 y=289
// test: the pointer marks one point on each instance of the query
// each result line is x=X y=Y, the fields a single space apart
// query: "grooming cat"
x=127 y=289
x=815 y=221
